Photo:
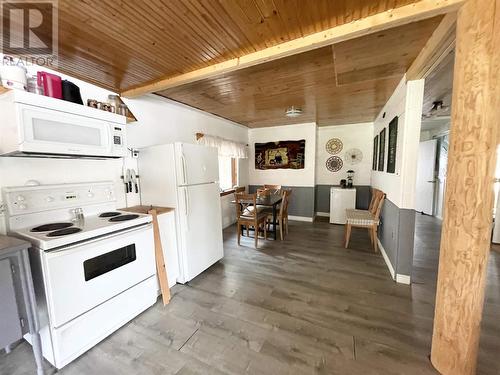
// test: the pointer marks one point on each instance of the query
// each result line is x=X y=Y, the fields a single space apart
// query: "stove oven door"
x=82 y=276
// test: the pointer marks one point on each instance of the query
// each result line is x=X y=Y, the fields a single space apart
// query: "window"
x=228 y=172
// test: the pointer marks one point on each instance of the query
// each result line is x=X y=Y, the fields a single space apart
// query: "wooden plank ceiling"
x=123 y=44
x=346 y=83
x=120 y=45
x=439 y=86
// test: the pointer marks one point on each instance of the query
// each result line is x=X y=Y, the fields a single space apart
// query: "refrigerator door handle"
x=183 y=161
x=186 y=200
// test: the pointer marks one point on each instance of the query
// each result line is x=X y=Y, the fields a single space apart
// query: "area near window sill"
x=232 y=191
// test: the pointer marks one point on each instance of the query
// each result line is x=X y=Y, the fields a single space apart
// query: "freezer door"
x=196 y=164
x=200 y=229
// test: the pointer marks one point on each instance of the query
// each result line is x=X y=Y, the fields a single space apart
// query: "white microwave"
x=38 y=126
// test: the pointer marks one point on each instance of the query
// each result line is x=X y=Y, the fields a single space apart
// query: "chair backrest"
x=376 y=196
x=244 y=202
x=284 y=203
x=380 y=203
x=275 y=189
x=263 y=192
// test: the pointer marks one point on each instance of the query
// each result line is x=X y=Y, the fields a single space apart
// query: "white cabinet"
x=340 y=200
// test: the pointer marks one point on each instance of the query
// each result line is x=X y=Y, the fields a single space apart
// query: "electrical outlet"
x=134 y=153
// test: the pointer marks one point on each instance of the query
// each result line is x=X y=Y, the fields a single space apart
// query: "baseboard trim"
x=386 y=259
x=403 y=279
x=301 y=218
x=323 y=214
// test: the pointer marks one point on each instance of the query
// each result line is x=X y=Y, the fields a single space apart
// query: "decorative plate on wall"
x=334 y=146
x=334 y=164
x=353 y=156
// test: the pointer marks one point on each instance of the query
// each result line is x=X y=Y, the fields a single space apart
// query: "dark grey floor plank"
x=302 y=306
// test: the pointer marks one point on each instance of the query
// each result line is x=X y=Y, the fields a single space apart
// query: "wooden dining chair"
x=282 y=217
x=274 y=189
x=369 y=219
x=263 y=192
x=289 y=196
x=249 y=215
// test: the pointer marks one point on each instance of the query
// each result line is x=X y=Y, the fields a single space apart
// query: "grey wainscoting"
x=301 y=202
x=322 y=204
x=396 y=234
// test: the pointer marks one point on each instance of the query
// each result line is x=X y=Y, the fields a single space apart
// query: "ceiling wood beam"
x=371 y=24
x=439 y=45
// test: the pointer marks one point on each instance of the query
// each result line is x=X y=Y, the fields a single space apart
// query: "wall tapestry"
x=381 y=154
x=353 y=156
x=375 y=153
x=282 y=154
x=334 y=146
x=334 y=164
x=393 y=140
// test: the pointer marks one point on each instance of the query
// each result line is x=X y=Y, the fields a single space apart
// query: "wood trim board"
x=368 y=25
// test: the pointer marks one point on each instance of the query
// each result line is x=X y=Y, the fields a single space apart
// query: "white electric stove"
x=93 y=266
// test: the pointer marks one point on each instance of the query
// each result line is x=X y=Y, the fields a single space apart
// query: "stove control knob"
x=20 y=198
x=49 y=199
x=22 y=206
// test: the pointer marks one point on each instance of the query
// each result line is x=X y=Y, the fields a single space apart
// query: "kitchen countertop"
x=145 y=209
x=9 y=244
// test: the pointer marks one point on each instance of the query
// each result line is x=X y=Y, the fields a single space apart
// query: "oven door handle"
x=65 y=248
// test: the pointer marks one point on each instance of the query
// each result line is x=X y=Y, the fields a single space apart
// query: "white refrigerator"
x=185 y=176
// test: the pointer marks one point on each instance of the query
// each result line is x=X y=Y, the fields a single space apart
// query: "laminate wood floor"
x=302 y=306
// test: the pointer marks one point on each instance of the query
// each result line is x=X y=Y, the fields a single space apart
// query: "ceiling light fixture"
x=293 y=111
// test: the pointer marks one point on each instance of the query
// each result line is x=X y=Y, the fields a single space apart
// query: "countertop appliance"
x=39 y=126
x=340 y=200
x=185 y=176
x=91 y=275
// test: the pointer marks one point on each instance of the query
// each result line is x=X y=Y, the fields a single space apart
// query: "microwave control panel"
x=118 y=137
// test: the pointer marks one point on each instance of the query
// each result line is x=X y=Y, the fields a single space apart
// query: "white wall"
x=163 y=121
x=406 y=103
x=285 y=177
x=358 y=136
x=17 y=171
x=160 y=121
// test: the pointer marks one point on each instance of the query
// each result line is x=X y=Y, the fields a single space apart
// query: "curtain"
x=226 y=147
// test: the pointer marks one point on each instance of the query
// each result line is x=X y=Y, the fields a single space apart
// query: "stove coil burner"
x=109 y=214
x=50 y=227
x=124 y=217
x=64 y=232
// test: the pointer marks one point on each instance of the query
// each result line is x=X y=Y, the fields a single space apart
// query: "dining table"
x=268 y=201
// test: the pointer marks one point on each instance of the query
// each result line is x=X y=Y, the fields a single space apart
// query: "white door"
x=496 y=231
x=425 y=177
x=201 y=229
x=441 y=176
x=196 y=164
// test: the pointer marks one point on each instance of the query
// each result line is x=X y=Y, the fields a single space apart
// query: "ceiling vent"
x=293 y=111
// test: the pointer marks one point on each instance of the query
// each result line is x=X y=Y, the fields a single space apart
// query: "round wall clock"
x=334 y=146
x=353 y=156
x=334 y=164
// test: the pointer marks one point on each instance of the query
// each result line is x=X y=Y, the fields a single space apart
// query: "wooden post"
x=160 y=260
x=465 y=240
